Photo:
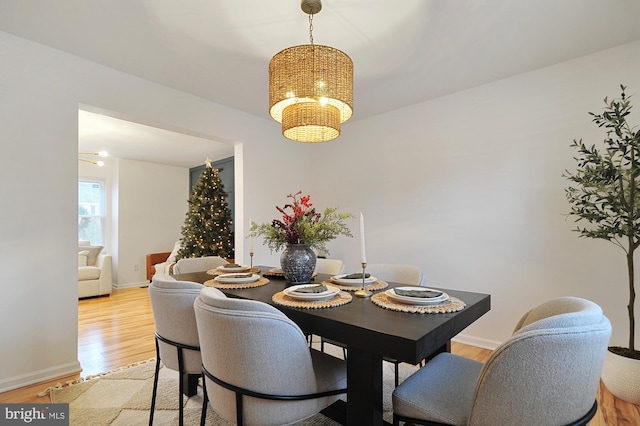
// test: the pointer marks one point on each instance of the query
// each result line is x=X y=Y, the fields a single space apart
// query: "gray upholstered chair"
x=396 y=272
x=197 y=264
x=177 y=343
x=329 y=266
x=547 y=373
x=257 y=365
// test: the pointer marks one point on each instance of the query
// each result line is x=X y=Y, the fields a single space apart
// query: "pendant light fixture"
x=99 y=163
x=311 y=87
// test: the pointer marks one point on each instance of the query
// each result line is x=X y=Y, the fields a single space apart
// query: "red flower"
x=293 y=214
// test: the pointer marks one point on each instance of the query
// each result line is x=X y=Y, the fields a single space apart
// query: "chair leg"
x=397 y=373
x=181 y=388
x=344 y=349
x=239 y=410
x=396 y=422
x=155 y=385
x=205 y=401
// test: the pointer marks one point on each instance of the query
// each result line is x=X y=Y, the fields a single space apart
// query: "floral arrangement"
x=301 y=224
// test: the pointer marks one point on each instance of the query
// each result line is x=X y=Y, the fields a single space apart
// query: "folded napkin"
x=231 y=265
x=356 y=276
x=428 y=294
x=312 y=289
x=249 y=275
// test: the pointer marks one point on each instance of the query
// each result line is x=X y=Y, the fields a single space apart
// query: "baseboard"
x=32 y=377
x=476 y=341
x=131 y=285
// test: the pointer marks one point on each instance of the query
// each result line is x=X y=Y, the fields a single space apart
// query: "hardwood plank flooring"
x=113 y=331
x=118 y=330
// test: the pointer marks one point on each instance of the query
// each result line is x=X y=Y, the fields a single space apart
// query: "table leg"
x=364 y=388
x=190 y=383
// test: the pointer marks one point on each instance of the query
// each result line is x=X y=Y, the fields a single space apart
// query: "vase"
x=298 y=261
x=620 y=376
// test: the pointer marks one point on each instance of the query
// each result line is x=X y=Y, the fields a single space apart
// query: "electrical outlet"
x=136 y=267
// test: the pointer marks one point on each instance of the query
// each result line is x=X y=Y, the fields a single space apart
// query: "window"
x=91 y=211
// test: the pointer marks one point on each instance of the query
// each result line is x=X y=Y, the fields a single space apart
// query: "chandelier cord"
x=311 y=28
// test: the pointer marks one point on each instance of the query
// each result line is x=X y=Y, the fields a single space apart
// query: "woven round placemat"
x=378 y=285
x=453 y=304
x=218 y=272
x=339 y=299
x=231 y=286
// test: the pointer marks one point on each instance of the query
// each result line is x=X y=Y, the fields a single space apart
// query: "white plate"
x=238 y=269
x=328 y=294
x=416 y=300
x=229 y=279
x=339 y=279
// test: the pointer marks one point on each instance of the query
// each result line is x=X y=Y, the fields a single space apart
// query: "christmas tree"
x=207 y=227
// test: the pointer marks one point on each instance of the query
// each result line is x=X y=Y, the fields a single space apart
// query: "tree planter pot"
x=621 y=376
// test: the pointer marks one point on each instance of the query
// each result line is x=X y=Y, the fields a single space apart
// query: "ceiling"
x=404 y=52
x=133 y=141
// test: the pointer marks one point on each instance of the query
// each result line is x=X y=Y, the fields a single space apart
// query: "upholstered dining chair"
x=257 y=365
x=397 y=272
x=177 y=345
x=547 y=373
x=197 y=264
x=329 y=266
x=393 y=272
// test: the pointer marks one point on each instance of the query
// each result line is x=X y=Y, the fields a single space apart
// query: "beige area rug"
x=123 y=398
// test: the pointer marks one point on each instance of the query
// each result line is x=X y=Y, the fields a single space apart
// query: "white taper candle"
x=363 y=255
x=250 y=237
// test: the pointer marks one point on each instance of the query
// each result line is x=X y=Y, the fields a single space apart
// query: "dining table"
x=370 y=333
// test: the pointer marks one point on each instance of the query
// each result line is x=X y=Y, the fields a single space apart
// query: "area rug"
x=123 y=398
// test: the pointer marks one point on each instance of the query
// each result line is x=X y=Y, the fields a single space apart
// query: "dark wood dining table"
x=369 y=333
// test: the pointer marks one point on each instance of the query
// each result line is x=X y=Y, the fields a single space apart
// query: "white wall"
x=469 y=187
x=152 y=203
x=41 y=90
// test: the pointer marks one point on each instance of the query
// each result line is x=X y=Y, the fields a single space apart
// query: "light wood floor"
x=118 y=330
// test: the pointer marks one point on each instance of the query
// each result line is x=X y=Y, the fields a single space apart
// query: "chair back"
x=172 y=307
x=254 y=346
x=197 y=264
x=329 y=266
x=396 y=272
x=548 y=372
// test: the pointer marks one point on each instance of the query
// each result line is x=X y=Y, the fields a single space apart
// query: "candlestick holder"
x=251 y=260
x=363 y=292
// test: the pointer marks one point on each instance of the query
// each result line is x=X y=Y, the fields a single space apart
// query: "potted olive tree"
x=605 y=196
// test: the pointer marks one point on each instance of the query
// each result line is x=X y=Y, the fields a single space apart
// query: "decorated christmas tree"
x=207 y=227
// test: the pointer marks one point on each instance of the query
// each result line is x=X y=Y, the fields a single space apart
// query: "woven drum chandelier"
x=311 y=88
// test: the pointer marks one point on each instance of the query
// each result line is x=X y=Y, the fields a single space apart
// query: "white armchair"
x=96 y=279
